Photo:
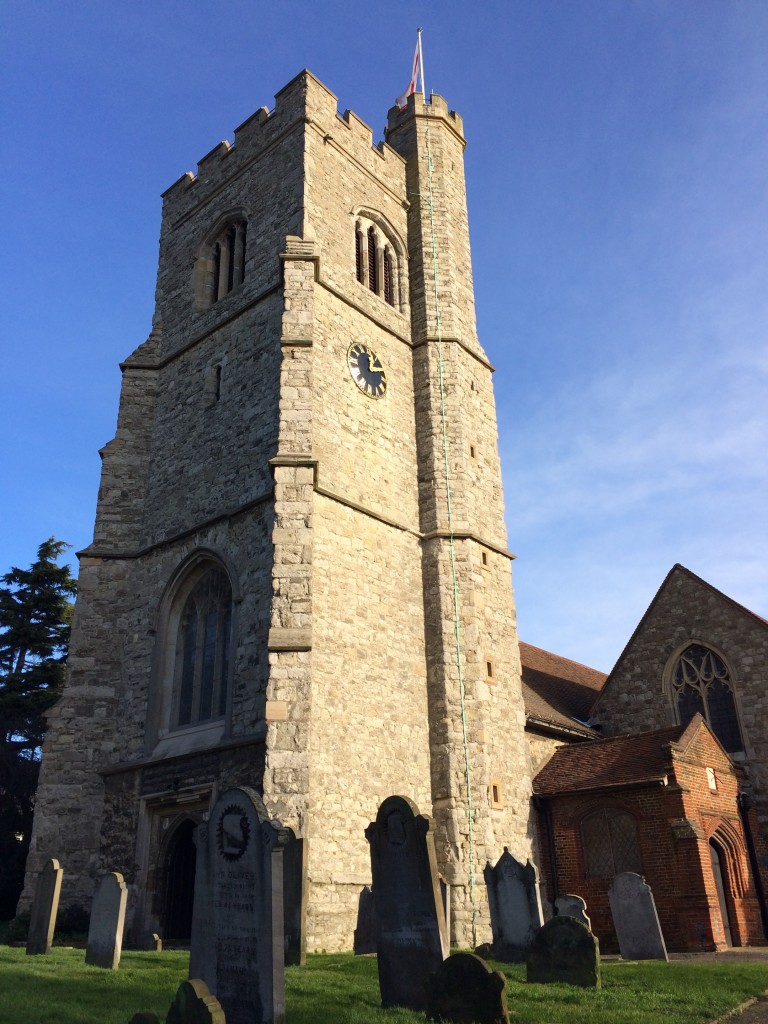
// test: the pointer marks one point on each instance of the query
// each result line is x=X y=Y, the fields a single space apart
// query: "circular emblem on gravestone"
x=396 y=828
x=232 y=832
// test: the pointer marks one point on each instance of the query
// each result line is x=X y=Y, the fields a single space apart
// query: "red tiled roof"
x=613 y=762
x=558 y=691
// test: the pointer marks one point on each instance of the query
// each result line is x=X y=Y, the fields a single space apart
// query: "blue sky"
x=617 y=174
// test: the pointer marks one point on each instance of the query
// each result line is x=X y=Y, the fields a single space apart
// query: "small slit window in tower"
x=490 y=670
x=472 y=451
x=484 y=560
x=497 y=795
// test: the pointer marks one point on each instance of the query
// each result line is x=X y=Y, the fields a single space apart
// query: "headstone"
x=194 y=1004
x=365 y=933
x=151 y=941
x=46 y=904
x=571 y=905
x=465 y=989
x=515 y=905
x=409 y=912
x=445 y=896
x=635 y=918
x=565 y=951
x=294 y=899
x=237 y=945
x=105 y=932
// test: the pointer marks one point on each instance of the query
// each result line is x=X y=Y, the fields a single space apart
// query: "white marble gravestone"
x=237 y=945
x=635 y=918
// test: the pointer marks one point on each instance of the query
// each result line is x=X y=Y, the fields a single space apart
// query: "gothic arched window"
x=378 y=260
x=220 y=265
x=609 y=839
x=201 y=666
x=701 y=682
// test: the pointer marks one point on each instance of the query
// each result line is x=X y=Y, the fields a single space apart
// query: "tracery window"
x=376 y=263
x=220 y=266
x=202 y=656
x=701 y=682
x=609 y=839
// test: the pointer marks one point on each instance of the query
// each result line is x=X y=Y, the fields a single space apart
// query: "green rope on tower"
x=452 y=547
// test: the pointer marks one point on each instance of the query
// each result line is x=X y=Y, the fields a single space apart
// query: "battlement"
x=304 y=100
x=436 y=109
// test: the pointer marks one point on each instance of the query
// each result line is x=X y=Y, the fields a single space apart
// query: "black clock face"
x=367 y=371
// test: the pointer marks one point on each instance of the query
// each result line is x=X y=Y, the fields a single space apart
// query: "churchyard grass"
x=342 y=989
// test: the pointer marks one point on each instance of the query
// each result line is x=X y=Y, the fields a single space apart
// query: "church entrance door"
x=180 y=884
x=717 y=871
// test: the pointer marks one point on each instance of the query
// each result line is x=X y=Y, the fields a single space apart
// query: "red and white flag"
x=418 y=71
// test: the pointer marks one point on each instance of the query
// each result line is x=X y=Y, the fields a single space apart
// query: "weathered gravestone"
x=635 y=918
x=365 y=933
x=193 y=1004
x=515 y=905
x=566 y=951
x=237 y=945
x=464 y=989
x=571 y=905
x=294 y=899
x=445 y=896
x=410 y=933
x=46 y=904
x=105 y=932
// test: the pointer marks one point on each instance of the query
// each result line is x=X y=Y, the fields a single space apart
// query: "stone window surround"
x=668 y=688
x=387 y=242
x=210 y=286
x=163 y=738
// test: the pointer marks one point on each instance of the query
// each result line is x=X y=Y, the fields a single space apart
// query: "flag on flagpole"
x=416 y=72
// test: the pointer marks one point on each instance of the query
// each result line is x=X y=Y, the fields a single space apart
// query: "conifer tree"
x=35 y=614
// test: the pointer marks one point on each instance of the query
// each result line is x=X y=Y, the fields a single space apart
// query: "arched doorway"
x=180 y=883
x=717 y=856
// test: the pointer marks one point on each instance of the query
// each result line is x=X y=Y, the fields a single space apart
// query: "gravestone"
x=571 y=905
x=409 y=912
x=194 y=1004
x=635 y=918
x=565 y=951
x=365 y=933
x=445 y=896
x=150 y=941
x=46 y=903
x=237 y=945
x=294 y=899
x=105 y=932
x=466 y=990
x=515 y=905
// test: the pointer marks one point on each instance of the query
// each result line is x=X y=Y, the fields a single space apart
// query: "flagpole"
x=421 y=66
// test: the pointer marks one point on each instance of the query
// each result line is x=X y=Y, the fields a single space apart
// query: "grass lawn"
x=342 y=989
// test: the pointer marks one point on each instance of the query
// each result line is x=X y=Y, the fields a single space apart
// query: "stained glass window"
x=701 y=683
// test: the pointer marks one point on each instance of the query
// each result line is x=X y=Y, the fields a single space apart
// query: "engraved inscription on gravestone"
x=237 y=945
x=410 y=941
x=44 y=908
x=105 y=932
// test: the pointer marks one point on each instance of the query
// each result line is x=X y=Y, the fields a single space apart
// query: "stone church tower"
x=299 y=578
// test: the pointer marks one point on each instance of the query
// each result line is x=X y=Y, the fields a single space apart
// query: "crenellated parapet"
x=437 y=109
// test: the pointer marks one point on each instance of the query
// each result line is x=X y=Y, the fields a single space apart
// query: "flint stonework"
x=237 y=945
x=571 y=905
x=564 y=951
x=515 y=903
x=409 y=911
x=635 y=918
x=466 y=990
x=46 y=904
x=105 y=932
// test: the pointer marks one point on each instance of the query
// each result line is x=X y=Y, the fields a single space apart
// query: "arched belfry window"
x=701 y=682
x=201 y=664
x=378 y=261
x=220 y=266
x=609 y=839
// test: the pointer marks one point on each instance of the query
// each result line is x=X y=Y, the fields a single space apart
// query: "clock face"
x=367 y=371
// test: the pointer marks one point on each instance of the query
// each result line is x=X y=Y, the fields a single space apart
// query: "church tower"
x=299 y=579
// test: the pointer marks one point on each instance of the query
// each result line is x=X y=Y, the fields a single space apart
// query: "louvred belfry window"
x=220 y=267
x=373 y=282
x=389 y=284
x=701 y=682
x=359 y=263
